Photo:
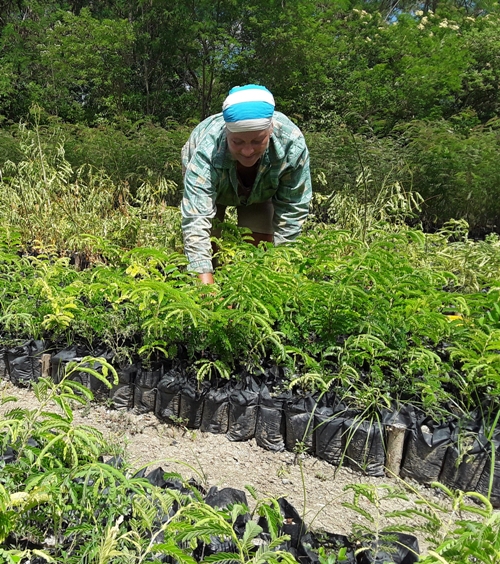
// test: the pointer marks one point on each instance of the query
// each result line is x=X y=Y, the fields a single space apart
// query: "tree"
x=75 y=67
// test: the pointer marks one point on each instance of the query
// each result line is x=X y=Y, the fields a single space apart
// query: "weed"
x=283 y=471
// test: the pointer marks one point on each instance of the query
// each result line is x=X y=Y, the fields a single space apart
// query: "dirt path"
x=314 y=487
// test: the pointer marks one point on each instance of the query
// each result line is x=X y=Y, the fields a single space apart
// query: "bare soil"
x=314 y=487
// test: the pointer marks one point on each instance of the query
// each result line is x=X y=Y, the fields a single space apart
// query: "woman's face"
x=248 y=146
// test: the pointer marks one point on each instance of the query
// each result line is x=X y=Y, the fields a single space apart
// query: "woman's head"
x=248 y=114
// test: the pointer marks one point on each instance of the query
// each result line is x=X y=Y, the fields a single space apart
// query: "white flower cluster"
x=449 y=25
x=442 y=24
x=362 y=13
x=423 y=22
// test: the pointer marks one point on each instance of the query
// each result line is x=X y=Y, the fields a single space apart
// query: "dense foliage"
x=400 y=92
x=365 y=309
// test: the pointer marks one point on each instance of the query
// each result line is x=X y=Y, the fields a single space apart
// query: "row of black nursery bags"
x=76 y=354
x=251 y=407
x=255 y=406
x=303 y=544
x=22 y=364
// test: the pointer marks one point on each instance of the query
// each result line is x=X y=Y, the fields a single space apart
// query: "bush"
x=455 y=169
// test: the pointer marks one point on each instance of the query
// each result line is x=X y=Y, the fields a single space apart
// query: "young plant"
x=198 y=522
x=458 y=531
x=369 y=532
x=57 y=431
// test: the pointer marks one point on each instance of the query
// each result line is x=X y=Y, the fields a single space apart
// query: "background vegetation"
x=398 y=91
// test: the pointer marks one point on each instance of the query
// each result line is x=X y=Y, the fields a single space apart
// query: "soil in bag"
x=168 y=396
x=24 y=363
x=299 y=423
x=145 y=388
x=121 y=395
x=270 y=426
x=391 y=548
x=425 y=450
x=215 y=417
x=243 y=409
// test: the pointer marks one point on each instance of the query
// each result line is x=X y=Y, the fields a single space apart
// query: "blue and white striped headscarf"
x=248 y=108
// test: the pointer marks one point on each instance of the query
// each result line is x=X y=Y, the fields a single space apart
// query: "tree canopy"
x=381 y=63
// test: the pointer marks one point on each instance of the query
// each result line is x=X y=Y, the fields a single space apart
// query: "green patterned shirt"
x=210 y=179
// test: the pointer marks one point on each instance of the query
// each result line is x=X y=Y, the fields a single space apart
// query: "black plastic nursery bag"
x=122 y=394
x=292 y=524
x=243 y=409
x=215 y=417
x=24 y=363
x=299 y=422
x=60 y=361
x=270 y=427
x=156 y=477
x=425 y=450
x=168 y=396
x=490 y=476
x=226 y=497
x=466 y=456
x=365 y=448
x=145 y=387
x=223 y=499
x=329 y=435
x=191 y=403
x=4 y=372
x=331 y=543
x=391 y=548
x=95 y=385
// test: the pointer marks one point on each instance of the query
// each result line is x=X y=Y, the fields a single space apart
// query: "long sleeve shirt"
x=210 y=179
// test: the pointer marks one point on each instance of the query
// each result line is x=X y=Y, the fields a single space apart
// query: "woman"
x=251 y=157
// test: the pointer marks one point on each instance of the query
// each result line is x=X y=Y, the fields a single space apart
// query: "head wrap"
x=248 y=108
